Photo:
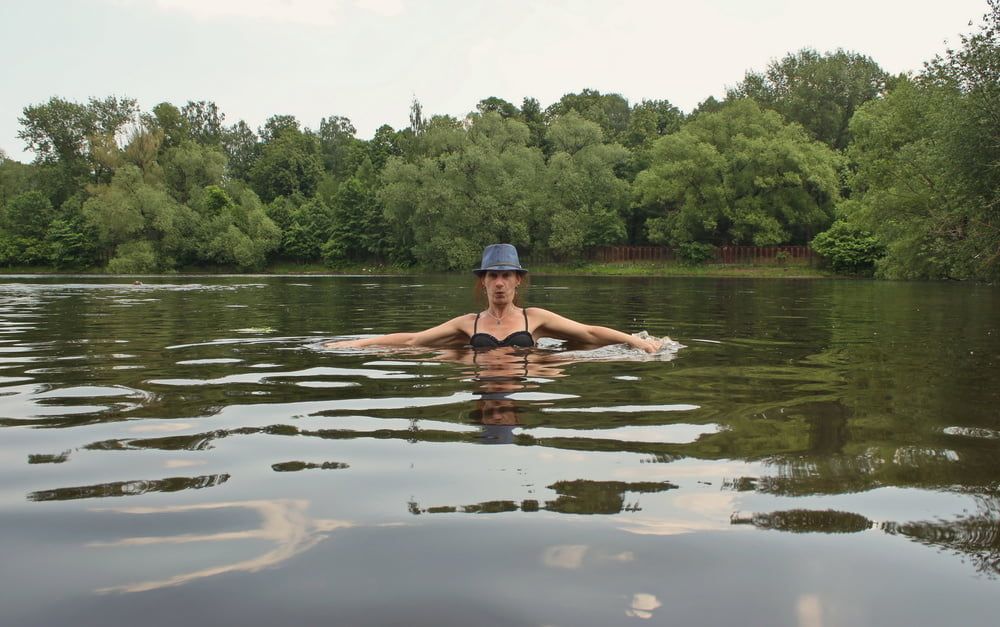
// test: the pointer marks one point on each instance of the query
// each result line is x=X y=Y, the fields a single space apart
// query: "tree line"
x=897 y=175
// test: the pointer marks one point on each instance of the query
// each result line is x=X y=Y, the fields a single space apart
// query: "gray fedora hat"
x=499 y=257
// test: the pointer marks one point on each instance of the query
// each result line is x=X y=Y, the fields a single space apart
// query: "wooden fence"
x=723 y=254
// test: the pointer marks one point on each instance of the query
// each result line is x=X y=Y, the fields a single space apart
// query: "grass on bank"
x=587 y=268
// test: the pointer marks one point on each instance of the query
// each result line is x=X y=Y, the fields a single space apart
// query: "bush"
x=695 y=253
x=848 y=249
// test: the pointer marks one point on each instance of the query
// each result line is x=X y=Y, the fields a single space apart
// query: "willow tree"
x=741 y=175
x=473 y=187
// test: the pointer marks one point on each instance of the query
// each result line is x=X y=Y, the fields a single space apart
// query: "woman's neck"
x=500 y=312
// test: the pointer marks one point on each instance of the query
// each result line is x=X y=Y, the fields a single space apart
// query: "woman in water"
x=504 y=323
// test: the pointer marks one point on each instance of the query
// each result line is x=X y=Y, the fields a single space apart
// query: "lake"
x=809 y=453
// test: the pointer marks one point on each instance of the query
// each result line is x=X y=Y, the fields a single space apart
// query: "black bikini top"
x=519 y=339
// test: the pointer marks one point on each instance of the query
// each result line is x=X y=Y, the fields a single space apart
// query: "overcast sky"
x=367 y=59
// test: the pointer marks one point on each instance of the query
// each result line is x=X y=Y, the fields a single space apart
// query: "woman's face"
x=500 y=286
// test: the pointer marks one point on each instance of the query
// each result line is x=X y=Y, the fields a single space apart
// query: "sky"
x=368 y=59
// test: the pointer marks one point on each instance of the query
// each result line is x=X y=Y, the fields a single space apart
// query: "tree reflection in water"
x=975 y=536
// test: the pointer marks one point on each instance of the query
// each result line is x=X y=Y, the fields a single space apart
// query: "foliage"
x=926 y=165
x=609 y=111
x=848 y=249
x=472 y=188
x=695 y=253
x=916 y=159
x=819 y=91
x=587 y=198
x=289 y=164
x=741 y=175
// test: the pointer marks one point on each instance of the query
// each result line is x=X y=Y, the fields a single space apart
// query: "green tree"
x=134 y=219
x=610 y=111
x=289 y=164
x=24 y=221
x=242 y=149
x=819 y=91
x=233 y=228
x=497 y=105
x=62 y=133
x=340 y=150
x=533 y=116
x=587 y=198
x=172 y=122
x=738 y=176
x=190 y=167
x=204 y=122
x=359 y=230
x=472 y=188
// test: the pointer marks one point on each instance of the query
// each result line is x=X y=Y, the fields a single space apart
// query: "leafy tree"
x=129 y=210
x=69 y=243
x=24 y=221
x=610 y=111
x=384 y=144
x=820 y=92
x=61 y=134
x=16 y=178
x=27 y=215
x=233 y=228
x=533 y=116
x=289 y=164
x=277 y=125
x=242 y=149
x=741 y=176
x=190 y=167
x=472 y=188
x=588 y=198
x=204 y=122
x=708 y=105
x=172 y=122
x=650 y=120
x=359 y=230
x=309 y=228
x=339 y=148
x=497 y=105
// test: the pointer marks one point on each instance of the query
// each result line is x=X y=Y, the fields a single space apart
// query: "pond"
x=808 y=453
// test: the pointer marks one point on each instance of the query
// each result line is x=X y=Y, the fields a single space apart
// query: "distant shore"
x=632 y=268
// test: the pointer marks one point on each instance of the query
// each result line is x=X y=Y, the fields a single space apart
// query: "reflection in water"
x=804 y=390
x=643 y=605
x=283 y=522
x=579 y=496
x=974 y=536
x=129 y=488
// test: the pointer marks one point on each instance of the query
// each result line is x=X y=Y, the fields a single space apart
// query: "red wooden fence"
x=723 y=254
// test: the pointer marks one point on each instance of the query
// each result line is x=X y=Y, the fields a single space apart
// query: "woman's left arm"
x=559 y=327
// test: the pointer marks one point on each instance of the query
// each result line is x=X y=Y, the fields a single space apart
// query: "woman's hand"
x=650 y=345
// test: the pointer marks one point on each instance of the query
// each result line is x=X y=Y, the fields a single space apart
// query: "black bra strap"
x=475 y=325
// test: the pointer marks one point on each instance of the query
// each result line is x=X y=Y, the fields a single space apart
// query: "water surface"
x=811 y=453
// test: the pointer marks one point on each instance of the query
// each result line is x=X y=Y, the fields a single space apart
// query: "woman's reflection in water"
x=498 y=375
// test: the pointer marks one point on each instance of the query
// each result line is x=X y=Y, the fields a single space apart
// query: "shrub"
x=848 y=249
x=695 y=253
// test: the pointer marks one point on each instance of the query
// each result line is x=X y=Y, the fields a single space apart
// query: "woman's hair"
x=479 y=291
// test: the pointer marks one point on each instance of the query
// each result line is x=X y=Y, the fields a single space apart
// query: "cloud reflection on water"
x=282 y=521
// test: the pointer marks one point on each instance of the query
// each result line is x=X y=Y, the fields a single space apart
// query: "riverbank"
x=631 y=268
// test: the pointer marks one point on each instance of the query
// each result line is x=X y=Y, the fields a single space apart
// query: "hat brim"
x=482 y=271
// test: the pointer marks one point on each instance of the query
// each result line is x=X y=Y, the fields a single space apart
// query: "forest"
x=896 y=176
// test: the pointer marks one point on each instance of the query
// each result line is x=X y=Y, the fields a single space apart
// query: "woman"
x=504 y=323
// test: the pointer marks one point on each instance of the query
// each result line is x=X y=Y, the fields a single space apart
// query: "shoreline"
x=635 y=268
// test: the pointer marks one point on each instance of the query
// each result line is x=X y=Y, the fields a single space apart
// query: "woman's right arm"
x=449 y=333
